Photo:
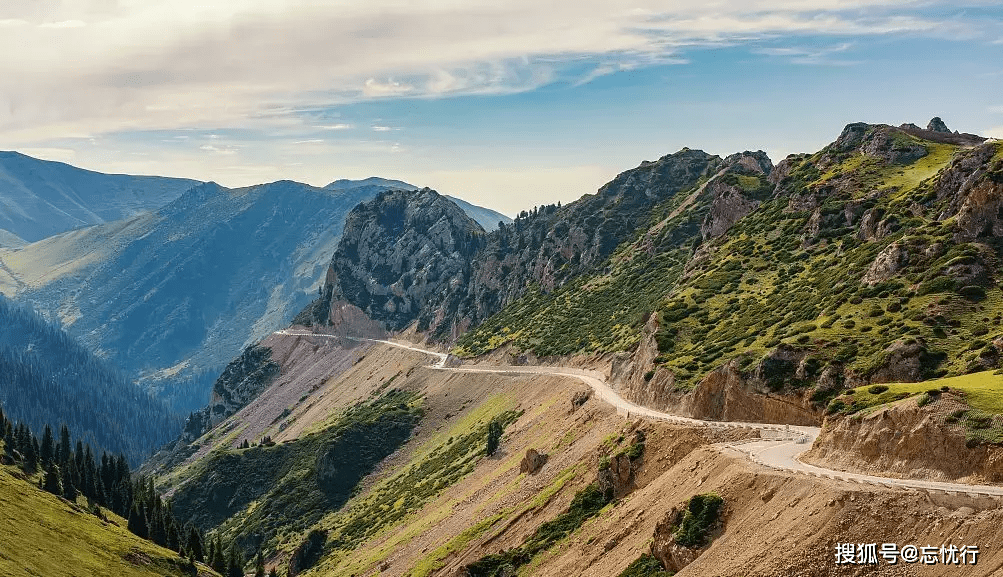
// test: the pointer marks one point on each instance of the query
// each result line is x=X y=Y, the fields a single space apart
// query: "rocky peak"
x=397 y=252
x=937 y=125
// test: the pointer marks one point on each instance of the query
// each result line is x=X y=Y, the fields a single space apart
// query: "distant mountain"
x=46 y=377
x=40 y=198
x=487 y=218
x=374 y=182
x=172 y=296
x=10 y=240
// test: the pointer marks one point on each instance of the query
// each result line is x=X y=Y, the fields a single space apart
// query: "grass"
x=645 y=566
x=435 y=560
x=45 y=535
x=982 y=391
x=587 y=504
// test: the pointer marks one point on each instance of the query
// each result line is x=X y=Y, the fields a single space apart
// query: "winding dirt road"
x=779 y=448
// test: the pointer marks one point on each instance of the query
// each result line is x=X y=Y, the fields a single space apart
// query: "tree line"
x=71 y=470
x=47 y=377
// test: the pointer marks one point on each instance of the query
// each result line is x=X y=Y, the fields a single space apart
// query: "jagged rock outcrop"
x=532 y=462
x=937 y=125
x=399 y=255
x=241 y=382
x=887 y=264
x=726 y=394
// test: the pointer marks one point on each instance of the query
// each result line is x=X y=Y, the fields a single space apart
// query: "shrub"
x=699 y=518
x=494 y=436
x=835 y=406
x=973 y=293
x=923 y=400
x=648 y=375
x=849 y=324
x=645 y=566
x=877 y=389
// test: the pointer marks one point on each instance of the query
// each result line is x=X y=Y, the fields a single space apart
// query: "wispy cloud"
x=809 y=55
x=169 y=64
x=334 y=127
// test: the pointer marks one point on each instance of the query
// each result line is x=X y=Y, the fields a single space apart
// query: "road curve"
x=779 y=449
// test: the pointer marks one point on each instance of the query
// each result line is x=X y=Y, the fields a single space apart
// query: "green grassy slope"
x=799 y=270
x=43 y=535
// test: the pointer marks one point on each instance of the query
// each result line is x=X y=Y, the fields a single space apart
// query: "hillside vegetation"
x=47 y=535
x=47 y=377
x=875 y=259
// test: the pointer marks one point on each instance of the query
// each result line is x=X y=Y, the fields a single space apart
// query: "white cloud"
x=382 y=129
x=218 y=149
x=63 y=24
x=254 y=63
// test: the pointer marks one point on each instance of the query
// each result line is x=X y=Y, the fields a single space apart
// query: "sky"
x=505 y=104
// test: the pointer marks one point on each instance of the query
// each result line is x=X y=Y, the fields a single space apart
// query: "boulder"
x=532 y=462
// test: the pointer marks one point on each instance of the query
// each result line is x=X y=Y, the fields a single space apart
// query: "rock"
x=937 y=125
x=887 y=264
x=307 y=553
x=905 y=361
x=579 y=399
x=728 y=207
x=532 y=462
x=673 y=556
x=617 y=479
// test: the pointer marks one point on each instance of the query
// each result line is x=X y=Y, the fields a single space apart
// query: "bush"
x=849 y=324
x=648 y=375
x=923 y=400
x=494 y=436
x=645 y=566
x=877 y=389
x=699 y=518
x=835 y=406
x=973 y=293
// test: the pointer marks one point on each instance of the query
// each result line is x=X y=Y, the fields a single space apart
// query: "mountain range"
x=170 y=296
x=40 y=198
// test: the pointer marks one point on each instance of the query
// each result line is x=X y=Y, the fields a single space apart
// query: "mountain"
x=397 y=254
x=865 y=262
x=46 y=377
x=171 y=296
x=40 y=198
x=10 y=240
x=544 y=248
x=486 y=217
x=727 y=289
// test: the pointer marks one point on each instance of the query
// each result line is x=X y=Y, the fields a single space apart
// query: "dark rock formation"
x=532 y=462
x=307 y=553
x=937 y=125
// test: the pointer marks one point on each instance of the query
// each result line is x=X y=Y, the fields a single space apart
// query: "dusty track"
x=779 y=449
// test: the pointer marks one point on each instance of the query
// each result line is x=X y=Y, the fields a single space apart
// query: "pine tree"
x=69 y=489
x=194 y=544
x=259 y=565
x=47 y=450
x=494 y=436
x=50 y=482
x=234 y=562
x=30 y=453
x=218 y=557
x=64 y=447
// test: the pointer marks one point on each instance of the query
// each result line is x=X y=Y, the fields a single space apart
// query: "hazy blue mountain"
x=10 y=240
x=40 y=198
x=485 y=217
x=372 y=181
x=172 y=296
x=48 y=377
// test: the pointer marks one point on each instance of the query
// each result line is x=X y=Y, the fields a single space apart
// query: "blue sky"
x=507 y=105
